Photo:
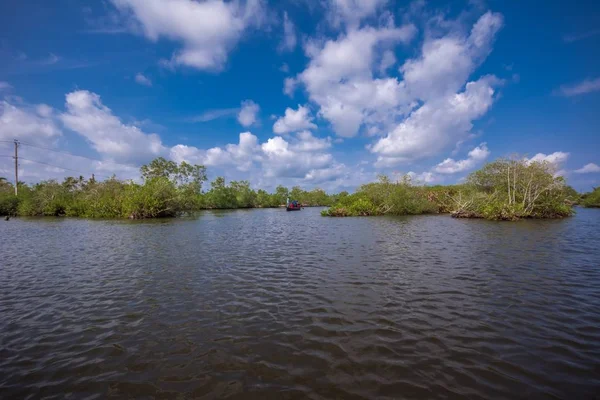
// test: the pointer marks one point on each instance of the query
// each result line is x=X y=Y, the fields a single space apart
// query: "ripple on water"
x=266 y=304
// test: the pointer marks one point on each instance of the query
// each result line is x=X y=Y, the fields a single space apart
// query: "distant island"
x=506 y=189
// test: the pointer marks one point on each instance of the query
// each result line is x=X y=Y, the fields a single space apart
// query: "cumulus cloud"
x=294 y=121
x=241 y=155
x=142 y=80
x=122 y=147
x=334 y=172
x=588 y=169
x=556 y=158
x=289 y=40
x=435 y=78
x=422 y=178
x=280 y=159
x=339 y=77
x=247 y=114
x=351 y=12
x=475 y=156
x=307 y=142
x=39 y=125
x=208 y=30
x=28 y=123
x=446 y=63
x=586 y=86
x=436 y=125
x=86 y=115
x=430 y=107
x=277 y=157
x=289 y=85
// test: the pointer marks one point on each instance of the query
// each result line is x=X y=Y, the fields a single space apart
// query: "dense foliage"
x=591 y=199
x=506 y=189
x=168 y=189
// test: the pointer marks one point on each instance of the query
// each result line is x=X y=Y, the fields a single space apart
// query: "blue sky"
x=324 y=93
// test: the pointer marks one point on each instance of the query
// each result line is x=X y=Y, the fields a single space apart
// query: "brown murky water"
x=266 y=304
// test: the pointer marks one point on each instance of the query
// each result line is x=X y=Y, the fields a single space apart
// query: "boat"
x=293 y=206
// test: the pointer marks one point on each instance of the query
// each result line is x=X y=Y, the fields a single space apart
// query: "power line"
x=65 y=168
x=76 y=155
x=70 y=154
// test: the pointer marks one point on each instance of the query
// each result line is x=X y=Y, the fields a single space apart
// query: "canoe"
x=292 y=208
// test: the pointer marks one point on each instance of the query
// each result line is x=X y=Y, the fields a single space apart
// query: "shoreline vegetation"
x=506 y=189
x=168 y=189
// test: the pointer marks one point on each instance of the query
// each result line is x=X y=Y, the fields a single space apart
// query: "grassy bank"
x=501 y=190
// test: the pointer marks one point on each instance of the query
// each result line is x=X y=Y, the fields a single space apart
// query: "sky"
x=316 y=93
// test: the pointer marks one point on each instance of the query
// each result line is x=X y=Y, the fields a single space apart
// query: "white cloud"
x=475 y=156
x=308 y=142
x=241 y=155
x=336 y=171
x=289 y=40
x=207 y=30
x=339 y=78
x=280 y=159
x=142 y=80
x=44 y=110
x=556 y=158
x=446 y=63
x=431 y=108
x=294 y=121
x=422 y=178
x=352 y=12
x=586 y=86
x=580 y=36
x=276 y=157
x=436 y=125
x=123 y=147
x=50 y=60
x=86 y=115
x=588 y=169
x=4 y=85
x=28 y=123
x=247 y=114
x=210 y=115
x=289 y=85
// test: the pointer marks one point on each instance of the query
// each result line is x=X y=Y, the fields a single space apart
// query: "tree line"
x=506 y=189
x=168 y=189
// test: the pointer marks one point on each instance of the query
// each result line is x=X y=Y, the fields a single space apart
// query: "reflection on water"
x=267 y=304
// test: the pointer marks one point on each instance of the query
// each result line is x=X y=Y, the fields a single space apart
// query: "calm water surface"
x=266 y=304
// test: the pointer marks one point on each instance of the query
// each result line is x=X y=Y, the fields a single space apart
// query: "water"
x=266 y=304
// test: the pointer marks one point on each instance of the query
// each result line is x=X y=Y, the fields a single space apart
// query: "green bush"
x=502 y=190
x=9 y=204
x=168 y=190
x=591 y=199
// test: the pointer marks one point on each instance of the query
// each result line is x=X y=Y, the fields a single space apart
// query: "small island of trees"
x=506 y=189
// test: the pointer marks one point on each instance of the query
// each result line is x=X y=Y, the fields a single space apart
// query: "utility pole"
x=16 y=167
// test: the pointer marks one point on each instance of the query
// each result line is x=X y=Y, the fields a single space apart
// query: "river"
x=264 y=304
